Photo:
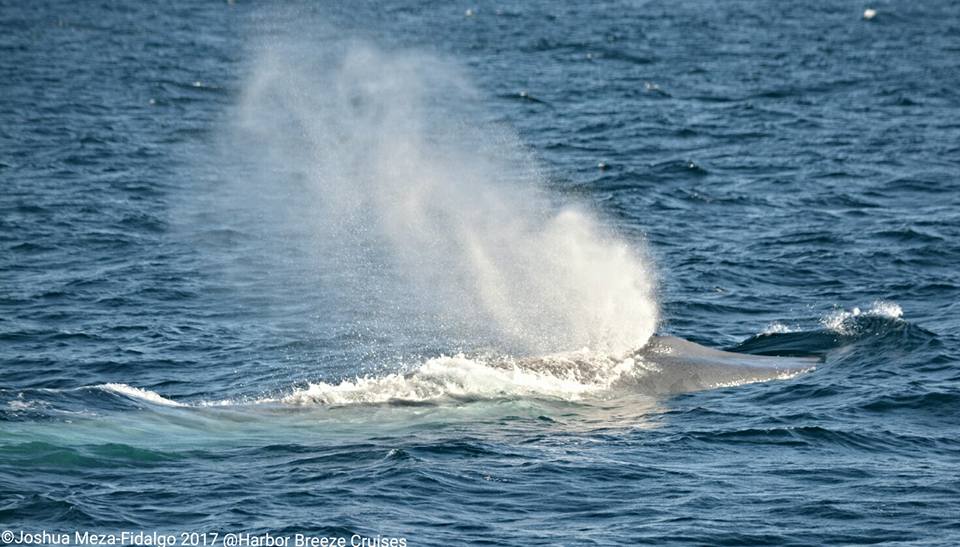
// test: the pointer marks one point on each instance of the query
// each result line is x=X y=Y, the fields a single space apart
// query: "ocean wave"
x=82 y=400
x=845 y=322
x=778 y=328
x=138 y=394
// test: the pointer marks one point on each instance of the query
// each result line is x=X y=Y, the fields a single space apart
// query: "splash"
x=418 y=203
x=844 y=322
x=565 y=377
x=138 y=394
x=778 y=328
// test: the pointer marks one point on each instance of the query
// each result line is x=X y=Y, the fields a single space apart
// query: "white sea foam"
x=19 y=405
x=571 y=377
x=778 y=328
x=843 y=321
x=139 y=393
x=568 y=376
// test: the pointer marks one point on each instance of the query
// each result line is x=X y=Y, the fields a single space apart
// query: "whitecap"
x=138 y=393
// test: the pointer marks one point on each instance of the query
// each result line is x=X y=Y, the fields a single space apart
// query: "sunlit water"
x=370 y=269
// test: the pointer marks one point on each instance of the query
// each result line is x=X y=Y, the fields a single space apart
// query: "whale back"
x=675 y=365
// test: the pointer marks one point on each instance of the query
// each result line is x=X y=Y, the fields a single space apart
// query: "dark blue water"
x=192 y=338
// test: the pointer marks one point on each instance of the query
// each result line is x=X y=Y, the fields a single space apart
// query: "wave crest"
x=844 y=322
x=567 y=377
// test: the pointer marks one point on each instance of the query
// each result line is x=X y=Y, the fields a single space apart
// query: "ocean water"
x=394 y=270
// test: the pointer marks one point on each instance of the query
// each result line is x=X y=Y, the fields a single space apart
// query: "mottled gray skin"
x=679 y=366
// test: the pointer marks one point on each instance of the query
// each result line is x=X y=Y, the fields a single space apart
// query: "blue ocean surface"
x=448 y=272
